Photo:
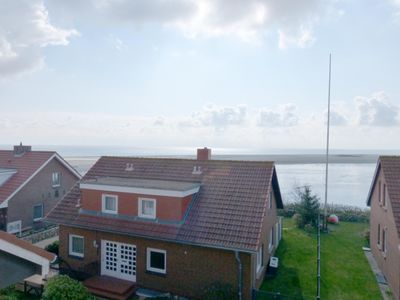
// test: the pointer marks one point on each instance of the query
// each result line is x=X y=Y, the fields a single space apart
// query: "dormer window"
x=109 y=204
x=147 y=208
x=56 y=179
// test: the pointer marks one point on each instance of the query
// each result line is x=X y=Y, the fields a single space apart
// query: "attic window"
x=196 y=170
x=129 y=167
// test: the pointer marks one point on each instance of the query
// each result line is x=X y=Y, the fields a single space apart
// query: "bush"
x=9 y=293
x=62 y=287
x=53 y=247
x=219 y=291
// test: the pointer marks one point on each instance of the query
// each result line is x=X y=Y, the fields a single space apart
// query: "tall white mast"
x=327 y=145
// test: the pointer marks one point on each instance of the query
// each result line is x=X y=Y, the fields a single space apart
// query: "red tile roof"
x=26 y=165
x=390 y=166
x=27 y=246
x=228 y=211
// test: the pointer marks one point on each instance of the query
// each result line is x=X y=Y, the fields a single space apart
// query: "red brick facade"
x=168 y=208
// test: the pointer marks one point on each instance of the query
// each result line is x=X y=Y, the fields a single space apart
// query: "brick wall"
x=383 y=217
x=189 y=268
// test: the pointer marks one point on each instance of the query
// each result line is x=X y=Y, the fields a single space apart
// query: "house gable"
x=227 y=212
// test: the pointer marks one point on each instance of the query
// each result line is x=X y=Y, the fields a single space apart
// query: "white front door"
x=118 y=260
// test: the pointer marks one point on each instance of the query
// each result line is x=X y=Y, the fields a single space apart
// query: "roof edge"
x=371 y=188
x=154 y=238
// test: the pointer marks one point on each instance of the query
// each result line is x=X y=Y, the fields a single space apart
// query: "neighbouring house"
x=31 y=183
x=20 y=259
x=173 y=225
x=384 y=200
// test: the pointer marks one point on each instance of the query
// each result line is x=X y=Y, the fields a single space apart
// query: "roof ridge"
x=189 y=159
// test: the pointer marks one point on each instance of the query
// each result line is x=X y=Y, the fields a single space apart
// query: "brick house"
x=31 y=183
x=384 y=200
x=173 y=225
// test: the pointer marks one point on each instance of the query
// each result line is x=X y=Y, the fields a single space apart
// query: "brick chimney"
x=20 y=149
x=204 y=154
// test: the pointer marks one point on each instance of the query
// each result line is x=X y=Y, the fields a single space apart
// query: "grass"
x=345 y=272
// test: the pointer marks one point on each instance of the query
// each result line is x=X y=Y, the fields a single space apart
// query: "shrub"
x=219 y=291
x=62 y=287
x=9 y=293
x=53 y=247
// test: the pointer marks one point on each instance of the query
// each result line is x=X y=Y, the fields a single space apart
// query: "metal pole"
x=327 y=146
x=319 y=259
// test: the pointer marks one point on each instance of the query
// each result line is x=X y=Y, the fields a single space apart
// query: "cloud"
x=376 y=110
x=218 y=117
x=283 y=116
x=337 y=118
x=396 y=4
x=25 y=29
x=249 y=20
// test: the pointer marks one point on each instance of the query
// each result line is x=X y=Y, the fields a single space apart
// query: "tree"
x=307 y=207
x=62 y=287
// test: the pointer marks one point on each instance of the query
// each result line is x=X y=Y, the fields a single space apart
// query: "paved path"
x=44 y=243
x=383 y=286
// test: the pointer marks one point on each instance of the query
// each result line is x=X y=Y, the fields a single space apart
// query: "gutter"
x=240 y=279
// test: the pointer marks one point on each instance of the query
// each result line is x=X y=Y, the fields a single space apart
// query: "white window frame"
x=59 y=179
x=140 y=206
x=38 y=219
x=148 y=262
x=259 y=259
x=103 y=204
x=71 y=251
x=271 y=239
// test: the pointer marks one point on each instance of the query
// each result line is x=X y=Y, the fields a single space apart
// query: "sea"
x=350 y=172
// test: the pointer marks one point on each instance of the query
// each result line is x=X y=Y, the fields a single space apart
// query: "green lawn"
x=345 y=272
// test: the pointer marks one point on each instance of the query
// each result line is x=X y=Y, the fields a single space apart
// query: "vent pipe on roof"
x=204 y=154
x=20 y=149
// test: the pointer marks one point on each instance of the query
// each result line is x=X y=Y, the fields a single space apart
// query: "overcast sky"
x=241 y=74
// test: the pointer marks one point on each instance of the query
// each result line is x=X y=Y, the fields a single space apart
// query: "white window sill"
x=147 y=217
x=38 y=219
x=111 y=212
x=56 y=185
x=75 y=254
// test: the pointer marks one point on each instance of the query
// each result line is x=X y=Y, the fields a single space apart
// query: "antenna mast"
x=326 y=191
x=327 y=146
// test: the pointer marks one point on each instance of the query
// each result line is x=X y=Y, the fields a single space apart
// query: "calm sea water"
x=348 y=183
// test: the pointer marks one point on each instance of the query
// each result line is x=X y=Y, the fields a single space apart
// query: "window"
x=147 y=208
x=384 y=242
x=38 y=212
x=384 y=195
x=379 y=192
x=109 y=204
x=76 y=245
x=56 y=179
x=379 y=235
x=259 y=258
x=156 y=260
x=271 y=239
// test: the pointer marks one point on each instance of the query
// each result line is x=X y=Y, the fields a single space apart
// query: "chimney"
x=204 y=154
x=20 y=149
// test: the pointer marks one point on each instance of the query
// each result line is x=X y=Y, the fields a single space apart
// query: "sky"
x=248 y=75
